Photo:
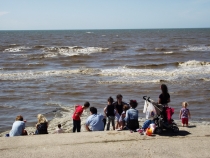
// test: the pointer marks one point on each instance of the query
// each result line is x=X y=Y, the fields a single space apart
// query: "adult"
x=18 y=127
x=42 y=125
x=119 y=108
x=131 y=117
x=164 y=97
x=95 y=121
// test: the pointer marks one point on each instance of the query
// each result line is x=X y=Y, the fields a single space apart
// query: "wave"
x=197 y=48
x=149 y=66
x=124 y=74
x=206 y=79
x=193 y=63
x=130 y=82
x=72 y=51
x=160 y=49
x=17 y=49
x=169 y=52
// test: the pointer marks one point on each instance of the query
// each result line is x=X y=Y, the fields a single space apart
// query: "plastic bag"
x=149 y=109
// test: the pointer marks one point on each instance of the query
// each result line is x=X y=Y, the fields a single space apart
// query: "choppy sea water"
x=46 y=71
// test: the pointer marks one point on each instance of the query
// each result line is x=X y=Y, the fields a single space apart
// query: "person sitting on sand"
x=76 y=116
x=122 y=117
x=131 y=117
x=59 y=129
x=18 y=127
x=95 y=121
x=109 y=111
x=42 y=125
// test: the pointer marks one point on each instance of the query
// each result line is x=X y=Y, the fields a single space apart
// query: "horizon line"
x=103 y=29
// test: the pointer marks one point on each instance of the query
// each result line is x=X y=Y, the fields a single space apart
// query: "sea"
x=44 y=71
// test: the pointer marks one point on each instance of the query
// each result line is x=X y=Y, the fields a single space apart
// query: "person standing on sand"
x=95 y=121
x=18 y=127
x=164 y=97
x=119 y=109
x=184 y=114
x=76 y=116
x=110 y=113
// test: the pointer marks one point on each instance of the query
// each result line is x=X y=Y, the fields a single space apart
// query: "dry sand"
x=191 y=142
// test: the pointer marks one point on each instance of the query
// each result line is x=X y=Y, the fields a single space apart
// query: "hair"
x=133 y=103
x=86 y=104
x=125 y=107
x=164 y=89
x=119 y=96
x=59 y=125
x=110 y=99
x=185 y=104
x=19 y=118
x=93 y=110
x=41 y=118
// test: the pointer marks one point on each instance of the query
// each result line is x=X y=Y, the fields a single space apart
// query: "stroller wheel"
x=158 y=130
x=175 y=129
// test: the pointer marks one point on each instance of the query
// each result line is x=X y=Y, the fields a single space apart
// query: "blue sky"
x=103 y=14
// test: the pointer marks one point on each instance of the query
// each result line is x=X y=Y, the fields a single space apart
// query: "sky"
x=103 y=14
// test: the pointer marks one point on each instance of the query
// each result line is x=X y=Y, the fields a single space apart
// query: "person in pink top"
x=76 y=116
x=184 y=114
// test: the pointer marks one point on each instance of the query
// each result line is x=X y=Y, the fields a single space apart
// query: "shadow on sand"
x=172 y=134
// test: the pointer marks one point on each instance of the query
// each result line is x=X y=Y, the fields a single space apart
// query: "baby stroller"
x=163 y=118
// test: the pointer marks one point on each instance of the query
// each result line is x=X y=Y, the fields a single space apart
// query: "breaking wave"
x=193 y=63
x=73 y=51
x=197 y=48
x=16 y=49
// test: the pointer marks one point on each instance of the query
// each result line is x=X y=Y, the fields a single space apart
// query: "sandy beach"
x=192 y=141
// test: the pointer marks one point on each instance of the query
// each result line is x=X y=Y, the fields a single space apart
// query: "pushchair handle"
x=145 y=98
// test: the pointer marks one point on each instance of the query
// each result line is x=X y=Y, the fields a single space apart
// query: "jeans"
x=110 y=119
x=76 y=125
x=147 y=123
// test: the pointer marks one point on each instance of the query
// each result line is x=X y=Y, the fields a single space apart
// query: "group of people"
x=120 y=114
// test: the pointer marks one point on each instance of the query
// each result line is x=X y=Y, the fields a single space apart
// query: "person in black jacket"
x=109 y=111
x=42 y=125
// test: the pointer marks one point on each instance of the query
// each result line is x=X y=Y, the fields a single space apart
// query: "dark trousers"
x=76 y=125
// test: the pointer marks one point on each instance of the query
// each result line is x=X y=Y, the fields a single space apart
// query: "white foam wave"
x=197 y=48
x=206 y=79
x=89 y=32
x=120 y=75
x=128 y=81
x=16 y=49
x=193 y=63
x=171 y=52
x=72 y=51
x=35 y=74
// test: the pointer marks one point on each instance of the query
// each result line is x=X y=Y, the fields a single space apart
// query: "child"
x=132 y=116
x=76 y=116
x=110 y=113
x=59 y=129
x=122 y=121
x=184 y=114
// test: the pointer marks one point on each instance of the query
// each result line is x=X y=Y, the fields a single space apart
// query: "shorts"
x=117 y=117
x=185 y=121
